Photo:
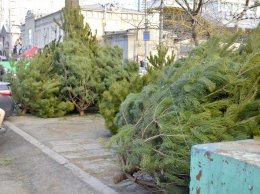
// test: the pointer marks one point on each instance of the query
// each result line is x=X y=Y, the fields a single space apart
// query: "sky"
x=131 y=4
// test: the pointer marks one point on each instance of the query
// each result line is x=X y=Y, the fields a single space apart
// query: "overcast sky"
x=124 y=3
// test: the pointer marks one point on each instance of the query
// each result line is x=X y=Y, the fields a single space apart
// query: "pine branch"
x=141 y=182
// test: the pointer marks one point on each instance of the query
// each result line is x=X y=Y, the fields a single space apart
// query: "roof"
x=6 y=28
x=29 y=53
x=101 y=7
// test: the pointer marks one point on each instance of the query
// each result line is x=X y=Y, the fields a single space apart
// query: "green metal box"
x=226 y=168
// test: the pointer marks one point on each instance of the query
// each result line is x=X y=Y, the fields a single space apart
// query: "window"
x=30 y=37
x=44 y=36
x=47 y=35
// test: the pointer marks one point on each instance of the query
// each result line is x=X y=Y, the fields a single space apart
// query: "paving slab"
x=17 y=187
x=75 y=142
x=25 y=169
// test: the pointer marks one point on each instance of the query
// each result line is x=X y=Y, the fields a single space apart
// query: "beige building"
x=119 y=26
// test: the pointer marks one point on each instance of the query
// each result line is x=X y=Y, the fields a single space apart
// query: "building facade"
x=112 y=25
x=12 y=15
x=123 y=27
x=9 y=39
x=38 y=30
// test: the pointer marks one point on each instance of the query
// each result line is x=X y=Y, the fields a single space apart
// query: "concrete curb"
x=85 y=177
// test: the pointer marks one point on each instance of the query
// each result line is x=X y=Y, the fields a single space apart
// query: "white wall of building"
x=42 y=30
x=112 y=19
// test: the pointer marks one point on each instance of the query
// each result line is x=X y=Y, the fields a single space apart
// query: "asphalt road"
x=24 y=169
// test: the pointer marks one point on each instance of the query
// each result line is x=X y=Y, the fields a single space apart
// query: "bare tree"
x=194 y=12
x=203 y=17
x=242 y=15
x=231 y=13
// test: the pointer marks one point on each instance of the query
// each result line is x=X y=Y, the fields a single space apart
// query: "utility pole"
x=146 y=33
x=161 y=24
x=105 y=17
x=10 y=34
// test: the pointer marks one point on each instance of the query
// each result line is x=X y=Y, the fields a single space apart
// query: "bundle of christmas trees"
x=211 y=96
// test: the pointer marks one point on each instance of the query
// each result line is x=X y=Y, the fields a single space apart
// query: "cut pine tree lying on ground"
x=210 y=96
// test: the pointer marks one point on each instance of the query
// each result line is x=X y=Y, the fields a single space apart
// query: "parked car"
x=6 y=99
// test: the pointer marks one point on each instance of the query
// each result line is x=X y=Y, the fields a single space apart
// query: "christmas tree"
x=210 y=96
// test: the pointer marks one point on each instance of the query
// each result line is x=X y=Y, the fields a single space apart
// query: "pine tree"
x=21 y=85
x=129 y=81
x=89 y=69
x=116 y=94
x=37 y=86
x=76 y=57
x=213 y=95
x=160 y=60
x=111 y=68
x=79 y=74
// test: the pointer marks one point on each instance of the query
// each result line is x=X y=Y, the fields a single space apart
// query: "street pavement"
x=24 y=169
x=72 y=145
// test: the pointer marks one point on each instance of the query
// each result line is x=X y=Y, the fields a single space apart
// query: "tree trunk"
x=24 y=111
x=194 y=32
x=118 y=177
x=81 y=112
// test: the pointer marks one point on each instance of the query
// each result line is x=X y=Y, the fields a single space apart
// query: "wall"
x=132 y=43
x=44 y=30
x=7 y=43
x=101 y=20
x=110 y=19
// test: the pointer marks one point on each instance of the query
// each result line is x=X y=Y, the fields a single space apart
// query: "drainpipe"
x=105 y=17
x=10 y=36
x=139 y=5
x=161 y=24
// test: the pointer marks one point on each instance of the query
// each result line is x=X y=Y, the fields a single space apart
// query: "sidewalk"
x=76 y=143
